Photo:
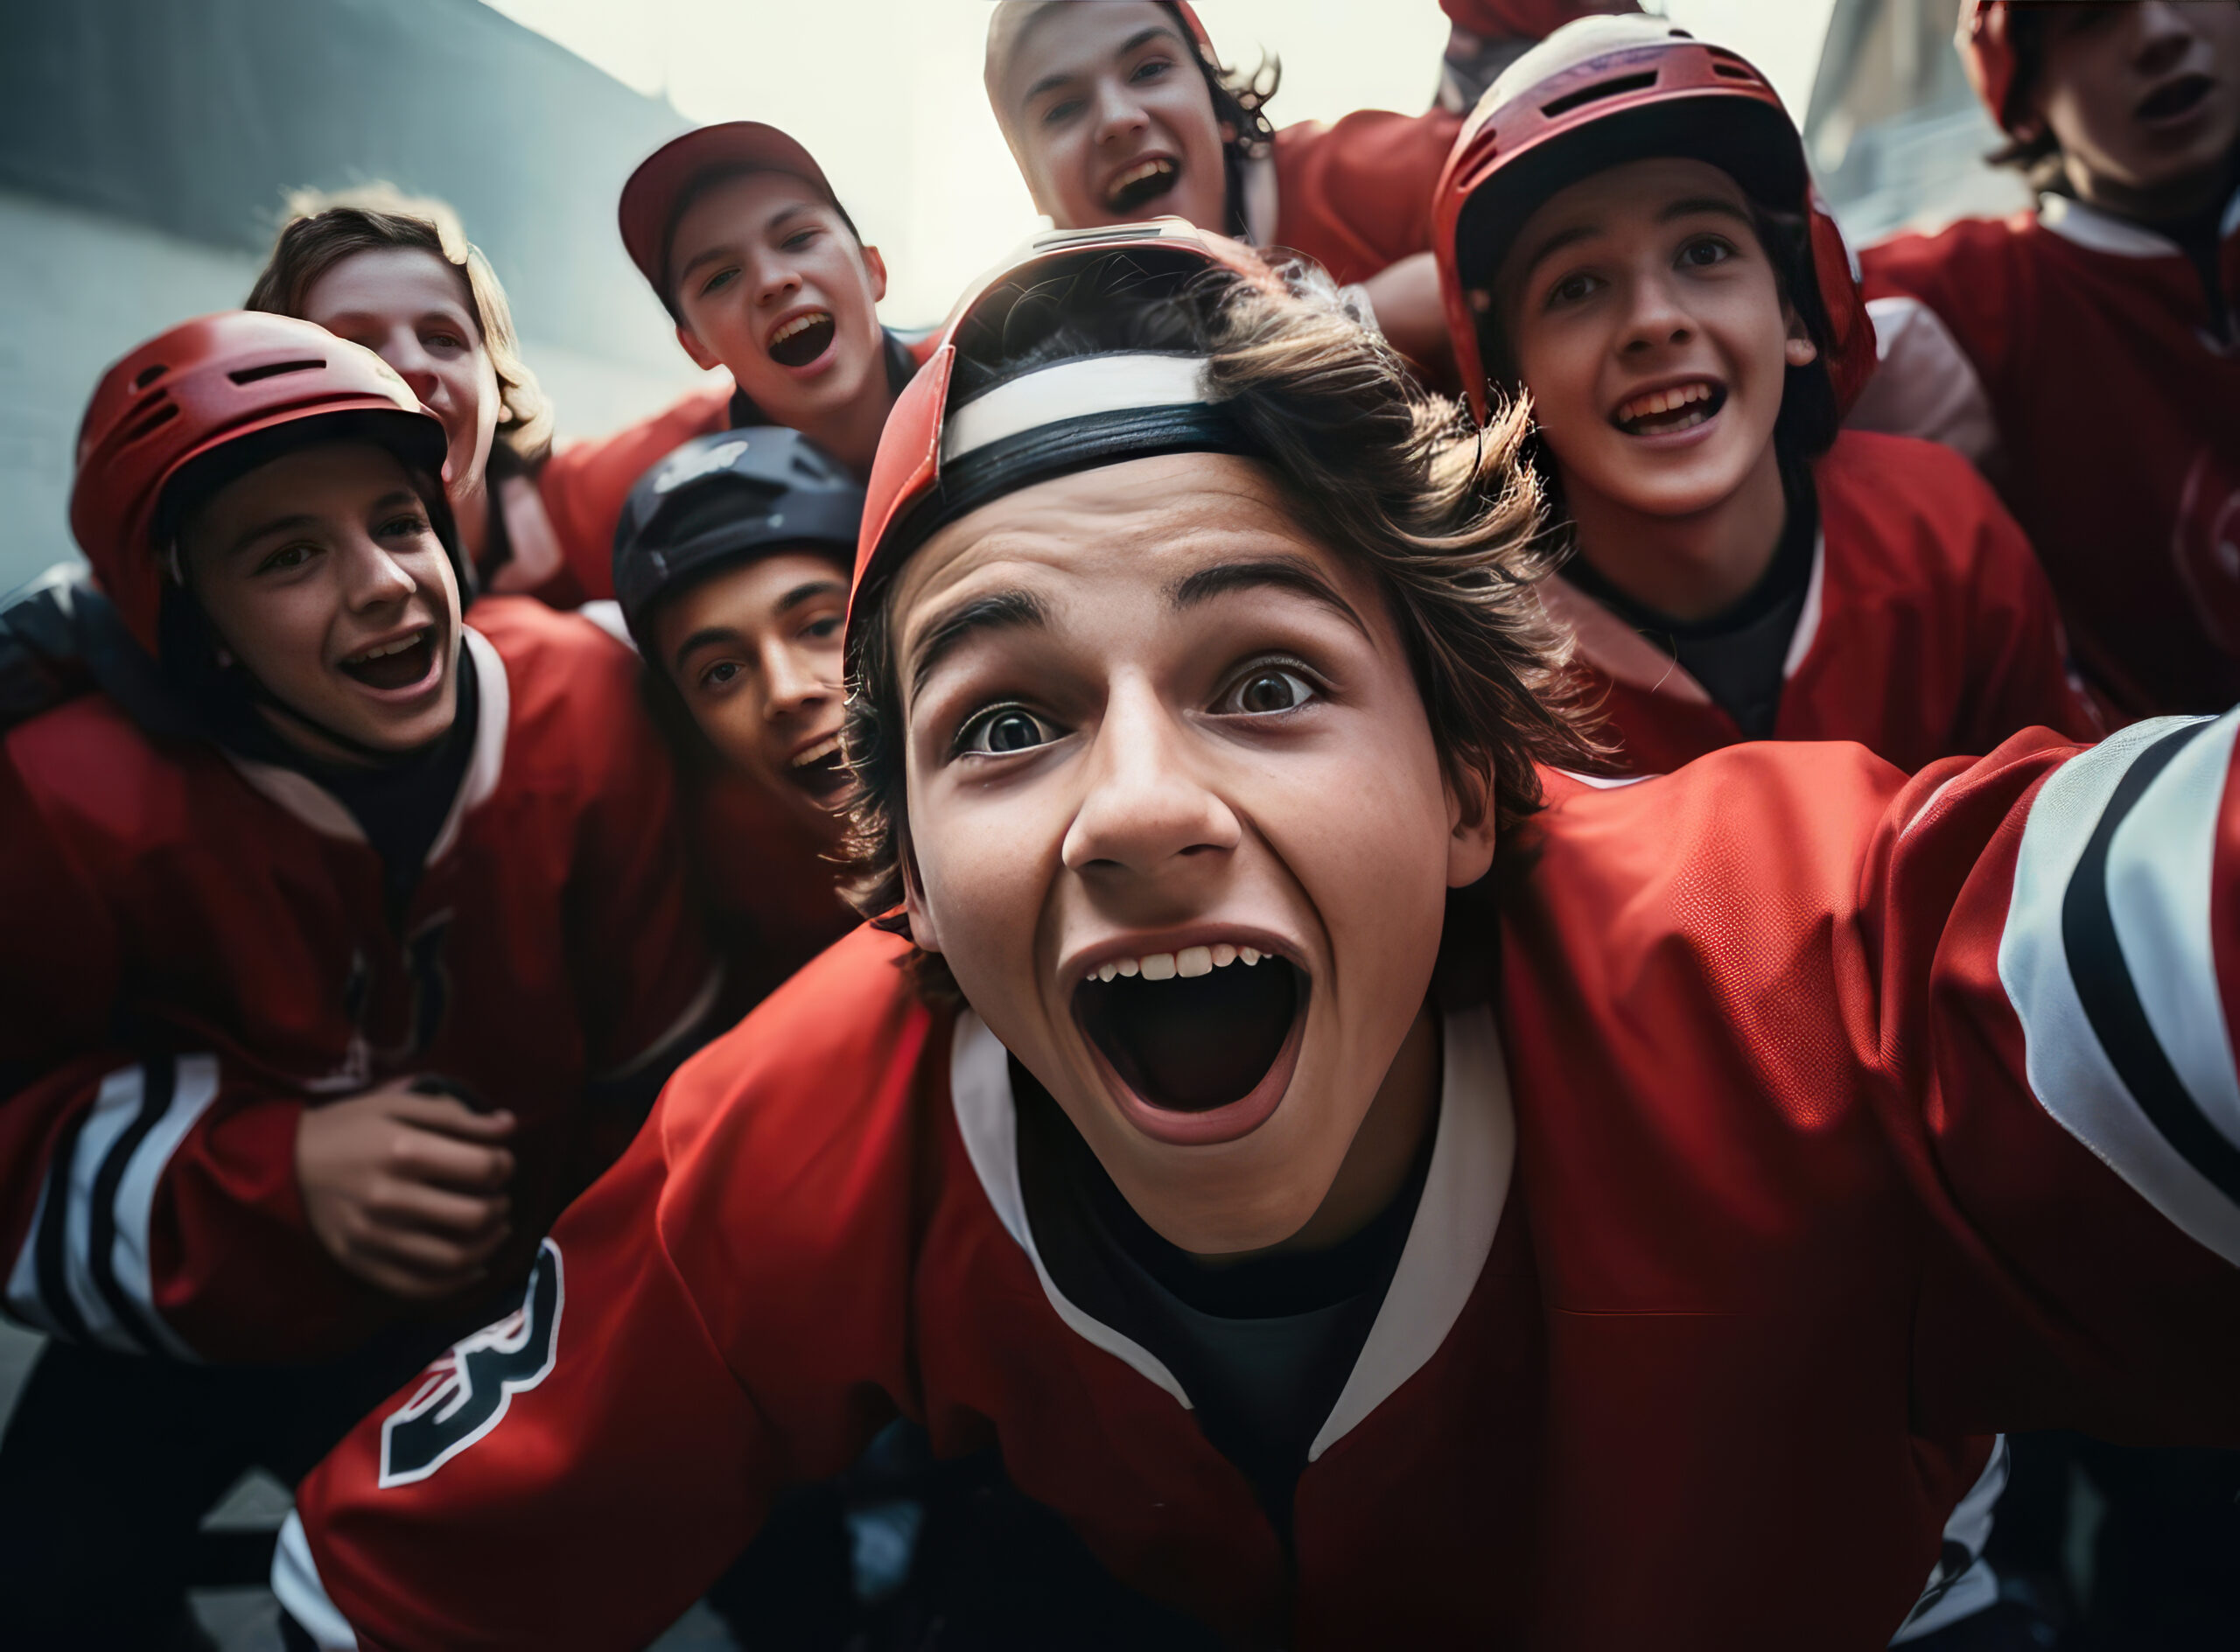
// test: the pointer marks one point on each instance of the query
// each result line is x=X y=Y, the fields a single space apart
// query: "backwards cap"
x=189 y=393
x=1602 y=92
x=946 y=450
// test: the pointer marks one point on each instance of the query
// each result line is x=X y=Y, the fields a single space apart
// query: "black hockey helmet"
x=721 y=499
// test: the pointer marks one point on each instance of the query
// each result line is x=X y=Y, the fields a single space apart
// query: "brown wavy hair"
x=1446 y=518
x=322 y=227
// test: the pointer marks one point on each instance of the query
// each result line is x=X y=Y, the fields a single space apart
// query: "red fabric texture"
x=1356 y=195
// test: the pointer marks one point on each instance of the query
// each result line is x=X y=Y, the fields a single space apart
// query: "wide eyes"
x=1003 y=729
x=1266 y=689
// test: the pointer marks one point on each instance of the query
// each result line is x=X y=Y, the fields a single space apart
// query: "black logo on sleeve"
x=464 y=1395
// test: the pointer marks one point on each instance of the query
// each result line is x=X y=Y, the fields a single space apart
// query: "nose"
x=1144 y=807
x=403 y=352
x=2163 y=34
x=775 y=280
x=1655 y=319
x=373 y=578
x=793 y=683
x=1119 y=113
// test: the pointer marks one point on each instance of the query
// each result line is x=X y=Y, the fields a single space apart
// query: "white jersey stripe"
x=192 y=1091
x=2073 y=1076
x=302 y=1596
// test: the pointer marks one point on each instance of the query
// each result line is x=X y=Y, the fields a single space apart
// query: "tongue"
x=804 y=347
x=1191 y=1046
x=399 y=670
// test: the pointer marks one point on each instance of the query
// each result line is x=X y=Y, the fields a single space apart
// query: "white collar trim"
x=323 y=812
x=2095 y=230
x=1464 y=1191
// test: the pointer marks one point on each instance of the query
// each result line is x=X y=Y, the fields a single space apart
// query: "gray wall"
x=145 y=146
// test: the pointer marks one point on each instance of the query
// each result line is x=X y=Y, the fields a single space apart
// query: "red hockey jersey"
x=1927 y=631
x=1355 y=195
x=2074 y=354
x=1822 y=1123
x=197 y=948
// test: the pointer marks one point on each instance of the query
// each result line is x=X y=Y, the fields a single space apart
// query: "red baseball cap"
x=651 y=198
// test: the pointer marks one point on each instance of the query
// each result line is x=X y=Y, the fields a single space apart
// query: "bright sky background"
x=886 y=93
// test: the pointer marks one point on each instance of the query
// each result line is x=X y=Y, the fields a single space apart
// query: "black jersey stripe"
x=158 y=1082
x=2111 y=998
x=52 y=1242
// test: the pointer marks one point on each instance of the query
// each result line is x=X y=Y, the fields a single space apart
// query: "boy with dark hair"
x=2086 y=354
x=345 y=943
x=1650 y=268
x=740 y=235
x=1642 y=1256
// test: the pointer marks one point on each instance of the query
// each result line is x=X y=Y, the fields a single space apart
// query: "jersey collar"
x=1464 y=1194
x=2096 y=230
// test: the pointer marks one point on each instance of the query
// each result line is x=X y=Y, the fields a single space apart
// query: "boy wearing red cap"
x=2087 y=353
x=346 y=942
x=1637 y=1249
x=1651 y=267
x=740 y=235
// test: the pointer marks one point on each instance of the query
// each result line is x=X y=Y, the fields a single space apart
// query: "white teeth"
x=817 y=752
x=799 y=323
x=1189 y=962
x=1137 y=174
x=1657 y=402
x=387 y=649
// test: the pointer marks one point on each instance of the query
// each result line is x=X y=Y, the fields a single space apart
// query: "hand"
x=407 y=1190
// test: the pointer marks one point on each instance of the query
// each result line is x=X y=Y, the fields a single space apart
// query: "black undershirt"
x=1737 y=654
x=1262 y=1347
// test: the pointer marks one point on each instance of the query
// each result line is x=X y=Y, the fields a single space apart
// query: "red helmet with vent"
x=1985 y=42
x=942 y=454
x=1598 y=93
x=202 y=385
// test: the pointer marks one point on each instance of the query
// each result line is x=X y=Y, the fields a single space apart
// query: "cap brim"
x=650 y=197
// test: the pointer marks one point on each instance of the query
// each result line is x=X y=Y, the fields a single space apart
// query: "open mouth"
x=1204 y=1037
x=1668 y=412
x=799 y=341
x=2177 y=100
x=404 y=663
x=1142 y=184
x=820 y=770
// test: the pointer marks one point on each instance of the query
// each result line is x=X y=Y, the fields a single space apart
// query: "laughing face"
x=754 y=650
x=1107 y=113
x=322 y=576
x=1646 y=320
x=2144 y=100
x=1178 y=827
x=771 y=285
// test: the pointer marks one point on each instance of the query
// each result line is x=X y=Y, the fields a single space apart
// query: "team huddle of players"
x=1527 y=967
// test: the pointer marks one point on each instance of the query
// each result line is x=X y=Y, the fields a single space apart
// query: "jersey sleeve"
x=585 y=485
x=2056 y=942
x=1942 y=309
x=2018 y=671
x=1356 y=195
x=148 y=1198
x=571 y=1476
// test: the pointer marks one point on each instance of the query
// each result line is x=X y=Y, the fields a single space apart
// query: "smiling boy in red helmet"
x=2087 y=354
x=345 y=943
x=1651 y=267
x=1636 y=1250
x=740 y=235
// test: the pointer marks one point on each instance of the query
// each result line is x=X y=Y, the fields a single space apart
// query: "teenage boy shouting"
x=2088 y=354
x=1641 y=1257
x=344 y=944
x=741 y=238
x=1651 y=267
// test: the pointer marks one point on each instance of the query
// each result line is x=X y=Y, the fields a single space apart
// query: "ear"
x=875 y=268
x=1470 y=830
x=922 y=930
x=703 y=357
x=1798 y=350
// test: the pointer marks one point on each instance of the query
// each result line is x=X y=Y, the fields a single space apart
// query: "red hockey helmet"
x=1600 y=92
x=1525 y=19
x=199 y=386
x=943 y=455
x=1985 y=42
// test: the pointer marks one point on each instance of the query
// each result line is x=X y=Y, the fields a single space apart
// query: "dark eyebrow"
x=1050 y=82
x=1005 y=610
x=1281 y=573
x=289 y=523
x=1695 y=203
x=809 y=591
x=703 y=638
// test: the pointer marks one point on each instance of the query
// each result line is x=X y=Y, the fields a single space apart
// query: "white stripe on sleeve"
x=296 y=1585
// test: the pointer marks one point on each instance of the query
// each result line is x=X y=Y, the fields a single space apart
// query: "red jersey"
x=1822 y=1123
x=199 y=946
x=770 y=887
x=1927 y=630
x=2076 y=355
x=1354 y=196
